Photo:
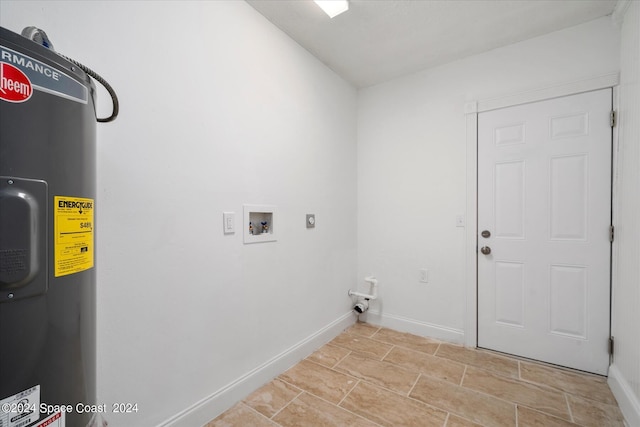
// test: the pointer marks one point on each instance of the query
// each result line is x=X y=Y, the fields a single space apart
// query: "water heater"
x=47 y=235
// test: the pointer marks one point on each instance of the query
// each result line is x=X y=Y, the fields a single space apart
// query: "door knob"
x=485 y=250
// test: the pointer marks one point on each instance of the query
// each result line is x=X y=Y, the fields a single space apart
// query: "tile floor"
x=372 y=376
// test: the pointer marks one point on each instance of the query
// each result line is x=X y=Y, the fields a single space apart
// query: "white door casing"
x=544 y=194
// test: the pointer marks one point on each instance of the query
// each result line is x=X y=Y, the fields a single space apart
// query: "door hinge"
x=612 y=231
x=611 y=346
x=612 y=118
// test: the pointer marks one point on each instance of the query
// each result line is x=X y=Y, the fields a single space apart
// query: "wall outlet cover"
x=311 y=221
x=424 y=275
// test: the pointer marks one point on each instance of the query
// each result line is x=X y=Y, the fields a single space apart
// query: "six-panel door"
x=544 y=195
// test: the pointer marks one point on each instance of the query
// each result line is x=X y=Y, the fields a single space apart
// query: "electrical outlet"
x=311 y=220
x=424 y=275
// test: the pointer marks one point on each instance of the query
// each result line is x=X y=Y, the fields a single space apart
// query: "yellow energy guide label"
x=73 y=227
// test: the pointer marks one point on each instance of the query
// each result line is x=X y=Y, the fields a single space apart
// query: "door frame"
x=471 y=111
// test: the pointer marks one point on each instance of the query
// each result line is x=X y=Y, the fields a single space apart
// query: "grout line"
x=368 y=381
x=484 y=393
x=545 y=365
x=364 y=380
x=288 y=383
x=446 y=419
x=377 y=330
x=550 y=387
x=434 y=406
x=314 y=362
x=458 y=415
x=559 y=418
x=336 y=405
x=288 y=403
x=362 y=417
x=574 y=377
x=358 y=334
x=359 y=416
x=515 y=403
x=435 y=353
x=414 y=384
x=258 y=413
x=363 y=352
x=412 y=349
x=321 y=398
x=519 y=371
x=387 y=353
x=566 y=399
x=516 y=409
x=343 y=357
x=464 y=373
x=379 y=341
x=348 y=393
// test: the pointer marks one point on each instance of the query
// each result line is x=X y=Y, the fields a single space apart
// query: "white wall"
x=412 y=167
x=218 y=108
x=625 y=372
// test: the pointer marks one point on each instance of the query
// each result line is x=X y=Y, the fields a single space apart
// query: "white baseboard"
x=627 y=400
x=208 y=408
x=416 y=327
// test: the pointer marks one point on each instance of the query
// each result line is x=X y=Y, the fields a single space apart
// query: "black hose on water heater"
x=39 y=36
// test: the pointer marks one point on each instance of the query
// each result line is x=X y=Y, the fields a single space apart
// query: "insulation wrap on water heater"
x=47 y=234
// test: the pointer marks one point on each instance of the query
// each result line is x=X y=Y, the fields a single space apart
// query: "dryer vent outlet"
x=361 y=306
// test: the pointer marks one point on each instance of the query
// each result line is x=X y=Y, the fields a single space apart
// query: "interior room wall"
x=624 y=375
x=219 y=108
x=412 y=168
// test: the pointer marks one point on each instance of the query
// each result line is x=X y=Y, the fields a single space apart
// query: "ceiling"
x=378 y=40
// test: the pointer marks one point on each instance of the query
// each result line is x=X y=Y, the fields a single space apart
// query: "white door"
x=544 y=195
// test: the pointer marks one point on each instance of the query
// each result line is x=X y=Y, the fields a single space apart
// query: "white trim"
x=210 y=407
x=627 y=400
x=416 y=327
x=472 y=109
x=615 y=161
x=550 y=92
x=617 y=16
x=471 y=233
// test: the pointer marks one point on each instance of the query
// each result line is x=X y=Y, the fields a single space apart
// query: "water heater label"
x=55 y=420
x=73 y=227
x=21 y=409
x=41 y=77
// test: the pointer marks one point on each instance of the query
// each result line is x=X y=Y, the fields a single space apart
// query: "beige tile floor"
x=372 y=376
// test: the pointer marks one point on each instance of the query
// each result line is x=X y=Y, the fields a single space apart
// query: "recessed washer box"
x=259 y=223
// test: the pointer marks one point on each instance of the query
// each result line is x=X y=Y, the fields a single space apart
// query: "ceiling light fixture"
x=333 y=7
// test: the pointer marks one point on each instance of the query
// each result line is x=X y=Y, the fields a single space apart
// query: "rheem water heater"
x=47 y=234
